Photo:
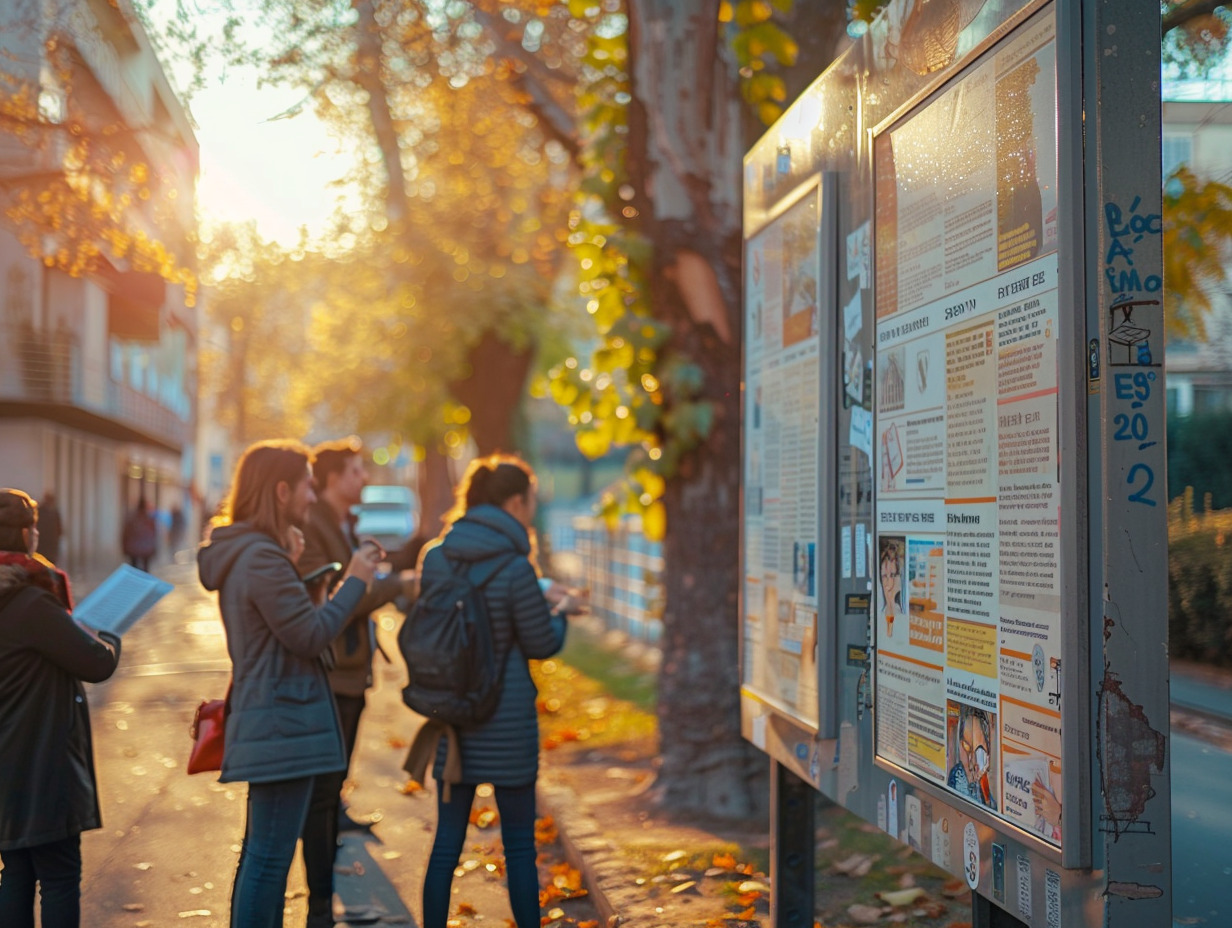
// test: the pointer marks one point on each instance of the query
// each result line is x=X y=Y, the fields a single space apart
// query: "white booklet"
x=120 y=600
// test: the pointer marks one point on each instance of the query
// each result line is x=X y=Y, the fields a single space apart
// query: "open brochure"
x=120 y=600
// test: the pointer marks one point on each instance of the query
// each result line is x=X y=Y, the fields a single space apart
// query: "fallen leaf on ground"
x=864 y=914
x=954 y=888
x=411 y=786
x=466 y=909
x=484 y=817
x=901 y=897
x=133 y=907
x=545 y=830
x=857 y=865
x=726 y=861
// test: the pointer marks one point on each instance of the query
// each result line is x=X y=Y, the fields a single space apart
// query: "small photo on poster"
x=802 y=574
x=970 y=752
x=891 y=379
x=891 y=559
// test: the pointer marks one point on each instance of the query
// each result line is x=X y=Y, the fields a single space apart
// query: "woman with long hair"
x=48 y=794
x=488 y=535
x=282 y=730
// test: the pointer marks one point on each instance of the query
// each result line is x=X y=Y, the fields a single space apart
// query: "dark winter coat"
x=504 y=750
x=326 y=540
x=282 y=722
x=47 y=786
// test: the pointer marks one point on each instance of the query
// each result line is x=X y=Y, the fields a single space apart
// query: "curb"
x=585 y=847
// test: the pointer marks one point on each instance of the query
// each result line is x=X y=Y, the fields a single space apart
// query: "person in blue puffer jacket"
x=490 y=522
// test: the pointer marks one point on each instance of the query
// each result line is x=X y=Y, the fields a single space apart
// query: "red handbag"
x=208 y=728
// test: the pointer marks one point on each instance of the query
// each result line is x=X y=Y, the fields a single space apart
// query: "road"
x=1201 y=833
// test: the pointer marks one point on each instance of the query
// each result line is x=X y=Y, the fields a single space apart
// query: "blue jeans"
x=56 y=869
x=276 y=813
x=517 y=823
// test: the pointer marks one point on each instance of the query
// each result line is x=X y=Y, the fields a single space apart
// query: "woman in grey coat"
x=282 y=728
x=489 y=526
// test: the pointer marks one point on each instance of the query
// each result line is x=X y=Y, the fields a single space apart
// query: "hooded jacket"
x=504 y=750
x=326 y=541
x=47 y=785
x=282 y=722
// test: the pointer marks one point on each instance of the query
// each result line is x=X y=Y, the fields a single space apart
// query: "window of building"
x=1178 y=150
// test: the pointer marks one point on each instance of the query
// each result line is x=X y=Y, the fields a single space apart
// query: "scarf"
x=40 y=572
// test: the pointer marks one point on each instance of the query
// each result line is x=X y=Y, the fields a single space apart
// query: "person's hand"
x=1047 y=805
x=567 y=600
x=410 y=580
x=295 y=543
x=364 y=562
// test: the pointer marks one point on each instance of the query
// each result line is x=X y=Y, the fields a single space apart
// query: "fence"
x=621 y=567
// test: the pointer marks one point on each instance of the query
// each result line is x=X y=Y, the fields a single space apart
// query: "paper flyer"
x=119 y=601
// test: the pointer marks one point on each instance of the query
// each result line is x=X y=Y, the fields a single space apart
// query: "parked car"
x=387 y=513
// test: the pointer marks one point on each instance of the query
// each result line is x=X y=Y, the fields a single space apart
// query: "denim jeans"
x=517 y=823
x=276 y=813
x=321 y=827
x=56 y=869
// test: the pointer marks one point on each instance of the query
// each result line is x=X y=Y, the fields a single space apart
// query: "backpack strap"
x=423 y=751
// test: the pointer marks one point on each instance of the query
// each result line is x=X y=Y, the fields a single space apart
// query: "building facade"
x=1197 y=133
x=98 y=361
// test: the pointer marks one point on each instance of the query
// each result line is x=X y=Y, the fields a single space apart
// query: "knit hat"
x=17 y=509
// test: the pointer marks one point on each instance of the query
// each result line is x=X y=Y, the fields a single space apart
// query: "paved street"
x=167 y=852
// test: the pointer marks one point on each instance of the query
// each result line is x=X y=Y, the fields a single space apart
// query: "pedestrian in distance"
x=488 y=535
x=48 y=792
x=282 y=730
x=141 y=536
x=338 y=479
x=51 y=527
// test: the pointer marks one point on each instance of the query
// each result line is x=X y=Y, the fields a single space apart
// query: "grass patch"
x=621 y=677
x=576 y=707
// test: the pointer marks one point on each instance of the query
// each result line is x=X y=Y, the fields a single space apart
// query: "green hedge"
x=1199 y=581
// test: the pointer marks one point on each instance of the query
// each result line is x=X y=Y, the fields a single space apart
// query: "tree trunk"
x=685 y=148
x=492 y=389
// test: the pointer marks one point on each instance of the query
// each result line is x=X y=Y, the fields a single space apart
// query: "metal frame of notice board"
x=1030 y=619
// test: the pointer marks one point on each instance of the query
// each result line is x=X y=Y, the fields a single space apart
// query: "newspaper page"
x=119 y=601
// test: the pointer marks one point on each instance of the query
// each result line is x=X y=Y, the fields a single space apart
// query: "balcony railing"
x=49 y=369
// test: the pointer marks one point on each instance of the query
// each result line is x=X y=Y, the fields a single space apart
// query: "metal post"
x=986 y=915
x=792 y=849
x=1129 y=610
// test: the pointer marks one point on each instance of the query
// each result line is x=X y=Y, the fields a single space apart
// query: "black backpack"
x=446 y=640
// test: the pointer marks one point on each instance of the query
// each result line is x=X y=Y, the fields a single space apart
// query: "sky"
x=255 y=165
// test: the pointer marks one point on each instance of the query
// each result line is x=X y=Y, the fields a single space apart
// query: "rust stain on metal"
x=1134 y=890
x=1131 y=752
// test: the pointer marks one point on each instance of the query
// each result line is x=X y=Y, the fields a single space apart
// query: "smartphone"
x=331 y=567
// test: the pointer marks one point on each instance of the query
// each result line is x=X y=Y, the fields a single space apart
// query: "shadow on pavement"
x=366 y=893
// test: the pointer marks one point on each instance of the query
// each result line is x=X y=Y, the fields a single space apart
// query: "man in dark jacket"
x=339 y=478
x=48 y=795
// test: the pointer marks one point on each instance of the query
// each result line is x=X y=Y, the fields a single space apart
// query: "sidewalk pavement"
x=167 y=852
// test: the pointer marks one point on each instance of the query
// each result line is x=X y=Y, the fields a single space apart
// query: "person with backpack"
x=486 y=546
x=282 y=729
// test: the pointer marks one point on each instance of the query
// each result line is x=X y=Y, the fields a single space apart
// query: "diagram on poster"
x=965 y=437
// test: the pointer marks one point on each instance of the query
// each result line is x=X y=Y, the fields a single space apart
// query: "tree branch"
x=1186 y=11
x=534 y=79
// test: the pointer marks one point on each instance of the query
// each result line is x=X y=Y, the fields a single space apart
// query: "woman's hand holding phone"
x=364 y=562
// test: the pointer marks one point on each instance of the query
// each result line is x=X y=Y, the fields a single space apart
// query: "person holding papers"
x=48 y=794
x=282 y=729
